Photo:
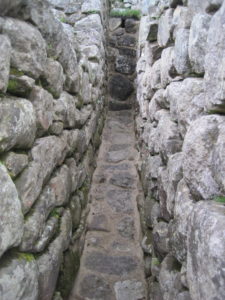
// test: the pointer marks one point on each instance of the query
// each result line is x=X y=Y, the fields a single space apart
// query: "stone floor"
x=112 y=264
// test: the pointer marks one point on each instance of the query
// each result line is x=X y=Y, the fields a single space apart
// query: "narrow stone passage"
x=112 y=264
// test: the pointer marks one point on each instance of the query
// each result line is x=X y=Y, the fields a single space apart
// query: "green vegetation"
x=63 y=20
x=155 y=261
x=220 y=199
x=26 y=256
x=16 y=72
x=128 y=13
x=13 y=86
x=54 y=213
x=90 y=12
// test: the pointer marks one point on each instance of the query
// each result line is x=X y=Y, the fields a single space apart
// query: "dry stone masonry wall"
x=181 y=126
x=52 y=85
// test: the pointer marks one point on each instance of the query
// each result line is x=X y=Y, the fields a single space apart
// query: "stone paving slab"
x=112 y=266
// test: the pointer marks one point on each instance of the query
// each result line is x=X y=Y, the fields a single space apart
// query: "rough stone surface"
x=15 y=163
x=54 y=77
x=198 y=42
x=49 y=262
x=5 y=48
x=205 y=251
x=43 y=105
x=28 y=47
x=11 y=221
x=129 y=289
x=214 y=57
x=56 y=193
x=17 y=124
x=181 y=57
x=21 y=272
x=46 y=154
x=165 y=28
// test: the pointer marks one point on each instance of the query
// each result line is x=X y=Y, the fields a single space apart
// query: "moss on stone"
x=16 y=72
x=155 y=261
x=26 y=256
x=13 y=86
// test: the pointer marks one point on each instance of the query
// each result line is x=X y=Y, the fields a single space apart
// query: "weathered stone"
x=93 y=5
x=122 y=179
x=46 y=154
x=120 y=87
x=153 y=108
x=15 y=163
x=161 y=99
x=181 y=57
x=5 y=49
x=214 y=62
x=175 y=174
x=125 y=64
x=126 y=227
x=188 y=107
x=129 y=290
x=114 y=23
x=56 y=128
x=169 y=278
x=54 y=77
x=206 y=251
x=152 y=212
x=155 y=75
x=197 y=148
x=165 y=28
x=59 y=39
x=17 y=124
x=75 y=210
x=184 y=204
x=204 y=6
x=95 y=286
x=161 y=239
x=168 y=71
x=49 y=263
x=56 y=193
x=131 y=26
x=65 y=110
x=20 y=86
x=156 y=51
x=43 y=105
x=198 y=42
x=11 y=220
x=155 y=292
x=98 y=222
x=119 y=200
x=7 y=6
x=167 y=138
x=48 y=233
x=182 y=18
x=28 y=47
x=126 y=41
x=22 y=271
x=184 y=296
x=113 y=265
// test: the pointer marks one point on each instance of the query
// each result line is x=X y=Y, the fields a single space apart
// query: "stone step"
x=112 y=265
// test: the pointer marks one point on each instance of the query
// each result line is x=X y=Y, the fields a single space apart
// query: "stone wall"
x=52 y=94
x=122 y=48
x=181 y=127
